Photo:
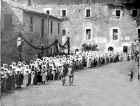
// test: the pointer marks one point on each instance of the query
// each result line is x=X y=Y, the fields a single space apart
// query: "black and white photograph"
x=70 y=53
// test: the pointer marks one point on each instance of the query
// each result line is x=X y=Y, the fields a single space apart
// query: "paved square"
x=106 y=86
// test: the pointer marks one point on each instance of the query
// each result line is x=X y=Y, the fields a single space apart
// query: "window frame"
x=58 y=24
x=64 y=9
x=31 y=24
x=86 y=12
x=87 y=35
x=133 y=13
x=114 y=34
x=64 y=31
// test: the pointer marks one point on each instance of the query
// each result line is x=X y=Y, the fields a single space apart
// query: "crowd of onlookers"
x=21 y=74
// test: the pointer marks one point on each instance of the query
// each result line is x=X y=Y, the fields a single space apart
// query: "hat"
x=2 y=68
x=5 y=65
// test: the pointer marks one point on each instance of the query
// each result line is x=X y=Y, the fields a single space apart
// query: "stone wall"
x=102 y=20
x=17 y=22
x=48 y=37
x=9 y=25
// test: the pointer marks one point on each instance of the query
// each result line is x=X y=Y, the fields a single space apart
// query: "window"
x=63 y=13
x=47 y=11
x=58 y=28
x=63 y=32
x=51 y=27
x=88 y=34
x=139 y=34
x=125 y=49
x=42 y=27
x=134 y=13
x=118 y=13
x=87 y=12
x=31 y=24
x=7 y=21
x=115 y=34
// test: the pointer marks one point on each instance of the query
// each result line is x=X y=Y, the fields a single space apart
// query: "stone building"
x=107 y=23
x=45 y=27
x=36 y=27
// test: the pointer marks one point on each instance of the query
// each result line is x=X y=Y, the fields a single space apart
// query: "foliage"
x=90 y=47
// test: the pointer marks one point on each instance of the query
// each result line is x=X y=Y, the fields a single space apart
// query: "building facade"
x=46 y=28
x=36 y=27
x=107 y=23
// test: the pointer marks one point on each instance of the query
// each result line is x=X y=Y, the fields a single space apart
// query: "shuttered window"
x=58 y=28
x=63 y=32
x=31 y=23
x=7 y=21
x=51 y=27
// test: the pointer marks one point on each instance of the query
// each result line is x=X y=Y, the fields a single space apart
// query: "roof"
x=33 y=12
x=30 y=10
x=70 y=1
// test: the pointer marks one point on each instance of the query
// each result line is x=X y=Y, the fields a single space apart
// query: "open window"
x=88 y=12
x=64 y=13
x=63 y=32
x=88 y=34
x=118 y=13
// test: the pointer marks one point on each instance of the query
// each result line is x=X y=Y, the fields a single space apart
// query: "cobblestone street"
x=108 y=85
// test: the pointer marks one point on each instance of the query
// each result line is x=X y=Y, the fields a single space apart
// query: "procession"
x=40 y=71
x=70 y=53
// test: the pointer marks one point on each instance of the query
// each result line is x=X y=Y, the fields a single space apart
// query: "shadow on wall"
x=9 y=35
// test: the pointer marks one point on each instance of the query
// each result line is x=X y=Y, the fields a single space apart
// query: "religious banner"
x=19 y=41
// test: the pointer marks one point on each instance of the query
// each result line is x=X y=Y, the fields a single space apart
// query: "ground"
x=103 y=86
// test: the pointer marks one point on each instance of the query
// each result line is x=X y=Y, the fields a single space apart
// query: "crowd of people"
x=40 y=71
